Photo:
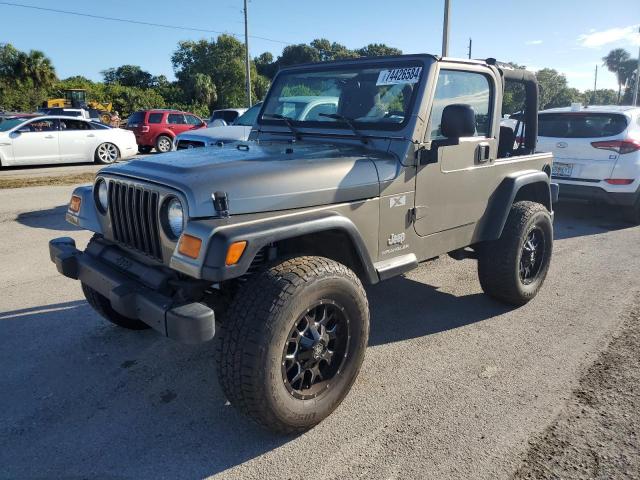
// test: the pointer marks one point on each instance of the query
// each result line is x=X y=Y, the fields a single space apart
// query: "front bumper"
x=185 y=322
x=598 y=194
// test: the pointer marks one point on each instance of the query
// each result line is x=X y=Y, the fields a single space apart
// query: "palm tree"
x=37 y=68
x=614 y=61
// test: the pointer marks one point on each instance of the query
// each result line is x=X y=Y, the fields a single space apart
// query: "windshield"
x=10 y=123
x=249 y=117
x=373 y=97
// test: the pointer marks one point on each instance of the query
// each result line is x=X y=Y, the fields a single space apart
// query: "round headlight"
x=102 y=195
x=175 y=217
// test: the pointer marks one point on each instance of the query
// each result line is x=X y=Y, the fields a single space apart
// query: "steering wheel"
x=394 y=113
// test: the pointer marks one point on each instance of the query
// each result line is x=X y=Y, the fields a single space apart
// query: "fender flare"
x=87 y=217
x=501 y=201
x=259 y=234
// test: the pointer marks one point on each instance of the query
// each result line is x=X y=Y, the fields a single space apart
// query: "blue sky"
x=568 y=35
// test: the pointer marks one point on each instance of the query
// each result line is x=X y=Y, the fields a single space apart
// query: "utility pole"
x=445 y=30
x=595 y=87
x=246 y=55
x=470 y=43
x=635 y=90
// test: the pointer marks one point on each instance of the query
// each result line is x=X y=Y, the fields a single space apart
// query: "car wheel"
x=144 y=149
x=292 y=342
x=163 y=144
x=107 y=153
x=101 y=304
x=513 y=268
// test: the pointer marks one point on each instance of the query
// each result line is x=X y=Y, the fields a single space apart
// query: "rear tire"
x=163 y=144
x=292 y=342
x=101 y=304
x=512 y=268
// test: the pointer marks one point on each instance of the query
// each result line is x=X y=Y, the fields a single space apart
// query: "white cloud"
x=533 y=42
x=595 y=39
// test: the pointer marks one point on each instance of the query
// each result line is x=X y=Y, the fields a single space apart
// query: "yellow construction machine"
x=77 y=98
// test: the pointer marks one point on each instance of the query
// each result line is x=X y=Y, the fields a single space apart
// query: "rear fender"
x=531 y=185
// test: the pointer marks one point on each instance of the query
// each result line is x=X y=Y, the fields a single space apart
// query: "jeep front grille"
x=134 y=217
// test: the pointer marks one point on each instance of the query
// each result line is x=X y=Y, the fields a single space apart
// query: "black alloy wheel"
x=316 y=349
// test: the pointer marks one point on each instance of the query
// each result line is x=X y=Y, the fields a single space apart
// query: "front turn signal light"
x=74 y=204
x=189 y=246
x=234 y=252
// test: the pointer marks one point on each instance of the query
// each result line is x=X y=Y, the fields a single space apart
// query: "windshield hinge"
x=418 y=212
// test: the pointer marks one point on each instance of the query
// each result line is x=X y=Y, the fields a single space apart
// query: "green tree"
x=615 y=61
x=553 y=89
x=128 y=76
x=222 y=60
x=265 y=65
x=202 y=90
x=36 y=69
x=328 y=51
x=296 y=54
x=602 y=97
x=377 y=50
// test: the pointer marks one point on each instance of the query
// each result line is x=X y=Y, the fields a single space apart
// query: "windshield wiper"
x=287 y=121
x=349 y=122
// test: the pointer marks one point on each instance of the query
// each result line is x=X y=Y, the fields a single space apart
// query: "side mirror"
x=458 y=120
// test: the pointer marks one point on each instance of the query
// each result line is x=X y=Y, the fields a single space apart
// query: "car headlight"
x=102 y=196
x=175 y=217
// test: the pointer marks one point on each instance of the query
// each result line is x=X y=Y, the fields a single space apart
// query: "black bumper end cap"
x=63 y=253
x=191 y=323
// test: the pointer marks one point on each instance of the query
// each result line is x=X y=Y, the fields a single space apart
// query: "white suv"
x=596 y=153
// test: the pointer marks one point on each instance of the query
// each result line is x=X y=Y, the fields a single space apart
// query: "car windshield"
x=371 y=97
x=581 y=125
x=249 y=117
x=10 y=123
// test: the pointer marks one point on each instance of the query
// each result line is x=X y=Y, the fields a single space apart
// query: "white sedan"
x=58 y=139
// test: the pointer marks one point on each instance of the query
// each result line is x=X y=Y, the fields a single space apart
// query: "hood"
x=263 y=177
x=213 y=134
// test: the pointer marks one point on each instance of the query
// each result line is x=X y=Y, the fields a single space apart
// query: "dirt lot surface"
x=597 y=433
x=34 y=176
x=454 y=384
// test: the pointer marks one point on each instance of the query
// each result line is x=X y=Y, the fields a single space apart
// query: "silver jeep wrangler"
x=266 y=244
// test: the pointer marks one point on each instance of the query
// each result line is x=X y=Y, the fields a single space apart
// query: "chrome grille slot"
x=134 y=217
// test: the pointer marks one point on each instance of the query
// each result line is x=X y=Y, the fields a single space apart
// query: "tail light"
x=619 y=181
x=619 y=146
x=144 y=128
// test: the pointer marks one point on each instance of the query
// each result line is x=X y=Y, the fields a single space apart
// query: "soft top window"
x=581 y=125
x=372 y=97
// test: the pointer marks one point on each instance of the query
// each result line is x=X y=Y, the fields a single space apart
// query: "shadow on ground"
x=50 y=218
x=88 y=398
x=577 y=219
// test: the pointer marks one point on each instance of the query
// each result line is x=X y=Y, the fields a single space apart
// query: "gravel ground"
x=596 y=435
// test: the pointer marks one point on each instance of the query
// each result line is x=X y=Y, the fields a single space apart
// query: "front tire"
x=101 y=304
x=512 y=269
x=163 y=144
x=144 y=149
x=292 y=342
x=107 y=153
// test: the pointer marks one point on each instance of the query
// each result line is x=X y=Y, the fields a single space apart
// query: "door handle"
x=91 y=135
x=483 y=152
x=49 y=136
